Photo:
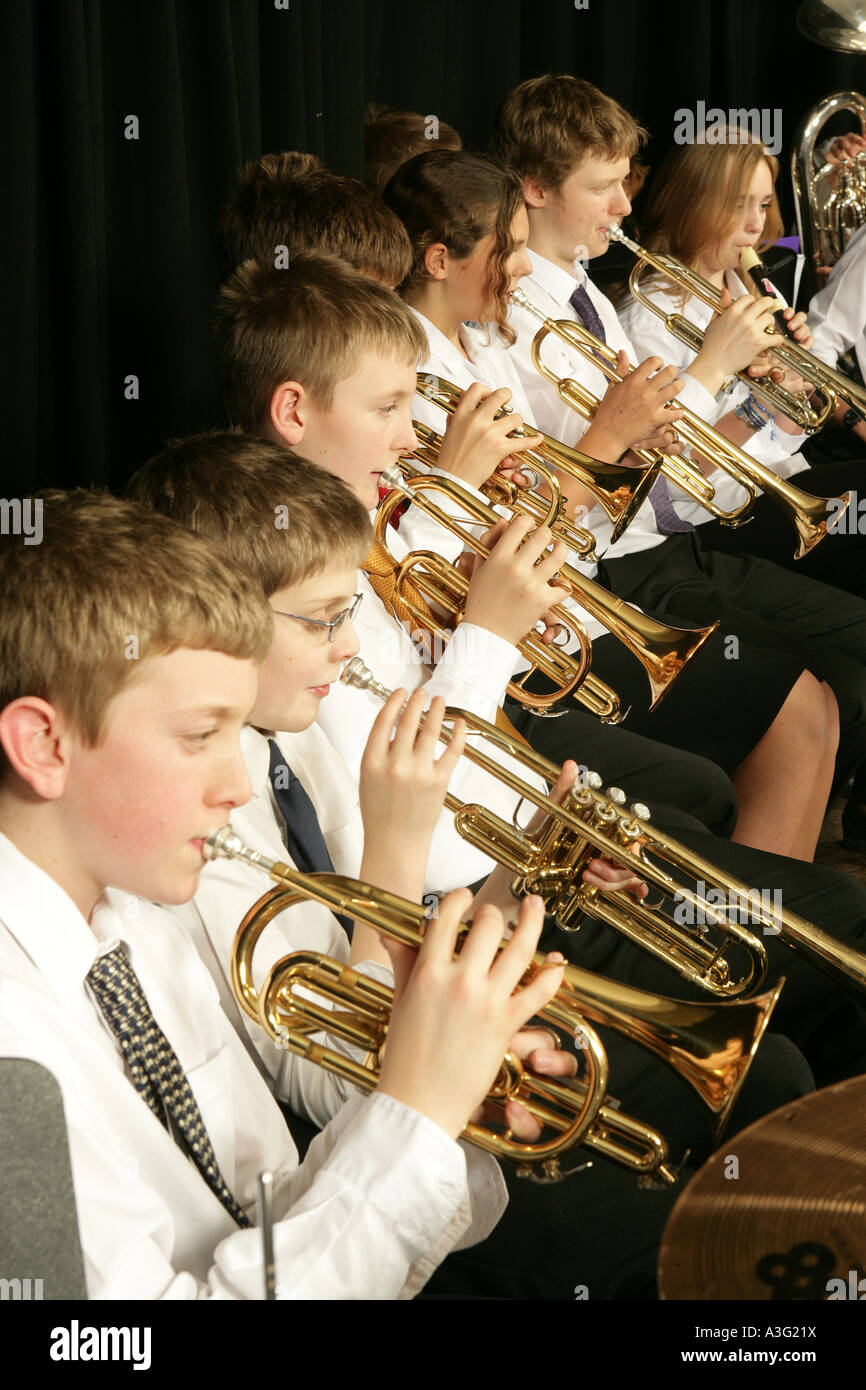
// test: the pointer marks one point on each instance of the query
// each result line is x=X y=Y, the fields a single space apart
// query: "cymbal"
x=780 y=1211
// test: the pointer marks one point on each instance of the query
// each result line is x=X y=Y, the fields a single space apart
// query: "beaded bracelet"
x=755 y=415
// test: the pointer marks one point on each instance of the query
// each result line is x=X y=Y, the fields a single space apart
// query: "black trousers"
x=681 y=786
x=840 y=558
x=822 y=626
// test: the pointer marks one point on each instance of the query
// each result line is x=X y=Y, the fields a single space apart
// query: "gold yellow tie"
x=380 y=568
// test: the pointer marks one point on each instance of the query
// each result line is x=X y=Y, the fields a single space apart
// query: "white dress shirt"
x=550 y=288
x=837 y=313
x=380 y=1199
x=471 y=674
x=228 y=888
x=773 y=447
x=489 y=361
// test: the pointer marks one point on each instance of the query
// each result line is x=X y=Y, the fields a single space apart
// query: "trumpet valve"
x=629 y=831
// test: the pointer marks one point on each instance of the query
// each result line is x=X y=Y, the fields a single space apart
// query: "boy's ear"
x=288 y=412
x=31 y=732
x=533 y=194
x=436 y=261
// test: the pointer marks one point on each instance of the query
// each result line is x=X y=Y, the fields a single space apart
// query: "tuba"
x=827 y=216
x=663 y=651
x=550 y=862
x=710 y=1046
x=808 y=513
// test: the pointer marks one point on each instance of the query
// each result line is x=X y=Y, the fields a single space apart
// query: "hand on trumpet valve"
x=510 y=589
x=540 y=1051
x=600 y=872
x=637 y=406
x=737 y=336
x=479 y=441
x=454 y=1016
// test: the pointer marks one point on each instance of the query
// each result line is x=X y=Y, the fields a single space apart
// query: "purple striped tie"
x=660 y=499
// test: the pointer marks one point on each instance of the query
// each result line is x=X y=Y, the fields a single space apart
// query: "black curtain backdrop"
x=110 y=258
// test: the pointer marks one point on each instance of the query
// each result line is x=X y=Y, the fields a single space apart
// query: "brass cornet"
x=546 y=509
x=808 y=513
x=620 y=490
x=662 y=650
x=808 y=416
x=710 y=1046
x=550 y=862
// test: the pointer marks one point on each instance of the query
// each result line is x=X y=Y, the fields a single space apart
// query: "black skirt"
x=720 y=706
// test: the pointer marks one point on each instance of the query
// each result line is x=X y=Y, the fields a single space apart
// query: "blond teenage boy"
x=129 y=654
x=226 y=486
x=345 y=392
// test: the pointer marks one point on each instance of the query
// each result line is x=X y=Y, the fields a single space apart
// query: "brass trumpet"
x=809 y=417
x=550 y=862
x=547 y=510
x=620 y=490
x=662 y=650
x=581 y=399
x=808 y=513
x=710 y=1046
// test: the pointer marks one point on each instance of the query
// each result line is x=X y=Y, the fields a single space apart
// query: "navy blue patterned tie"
x=660 y=499
x=154 y=1067
x=587 y=312
x=303 y=834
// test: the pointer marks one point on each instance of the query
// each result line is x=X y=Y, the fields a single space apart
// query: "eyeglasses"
x=319 y=626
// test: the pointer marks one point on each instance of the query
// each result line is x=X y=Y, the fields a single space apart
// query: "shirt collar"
x=257 y=758
x=471 y=336
x=48 y=926
x=560 y=284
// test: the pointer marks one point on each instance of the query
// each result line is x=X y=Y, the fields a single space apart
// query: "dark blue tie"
x=303 y=834
x=660 y=499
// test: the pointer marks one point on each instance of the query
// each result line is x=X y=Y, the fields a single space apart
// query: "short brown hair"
x=280 y=517
x=547 y=125
x=292 y=200
x=310 y=323
x=109 y=582
x=456 y=198
x=391 y=136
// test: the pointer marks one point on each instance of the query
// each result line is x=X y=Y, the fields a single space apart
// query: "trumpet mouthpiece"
x=393 y=478
x=525 y=303
x=356 y=673
x=222 y=844
x=616 y=233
